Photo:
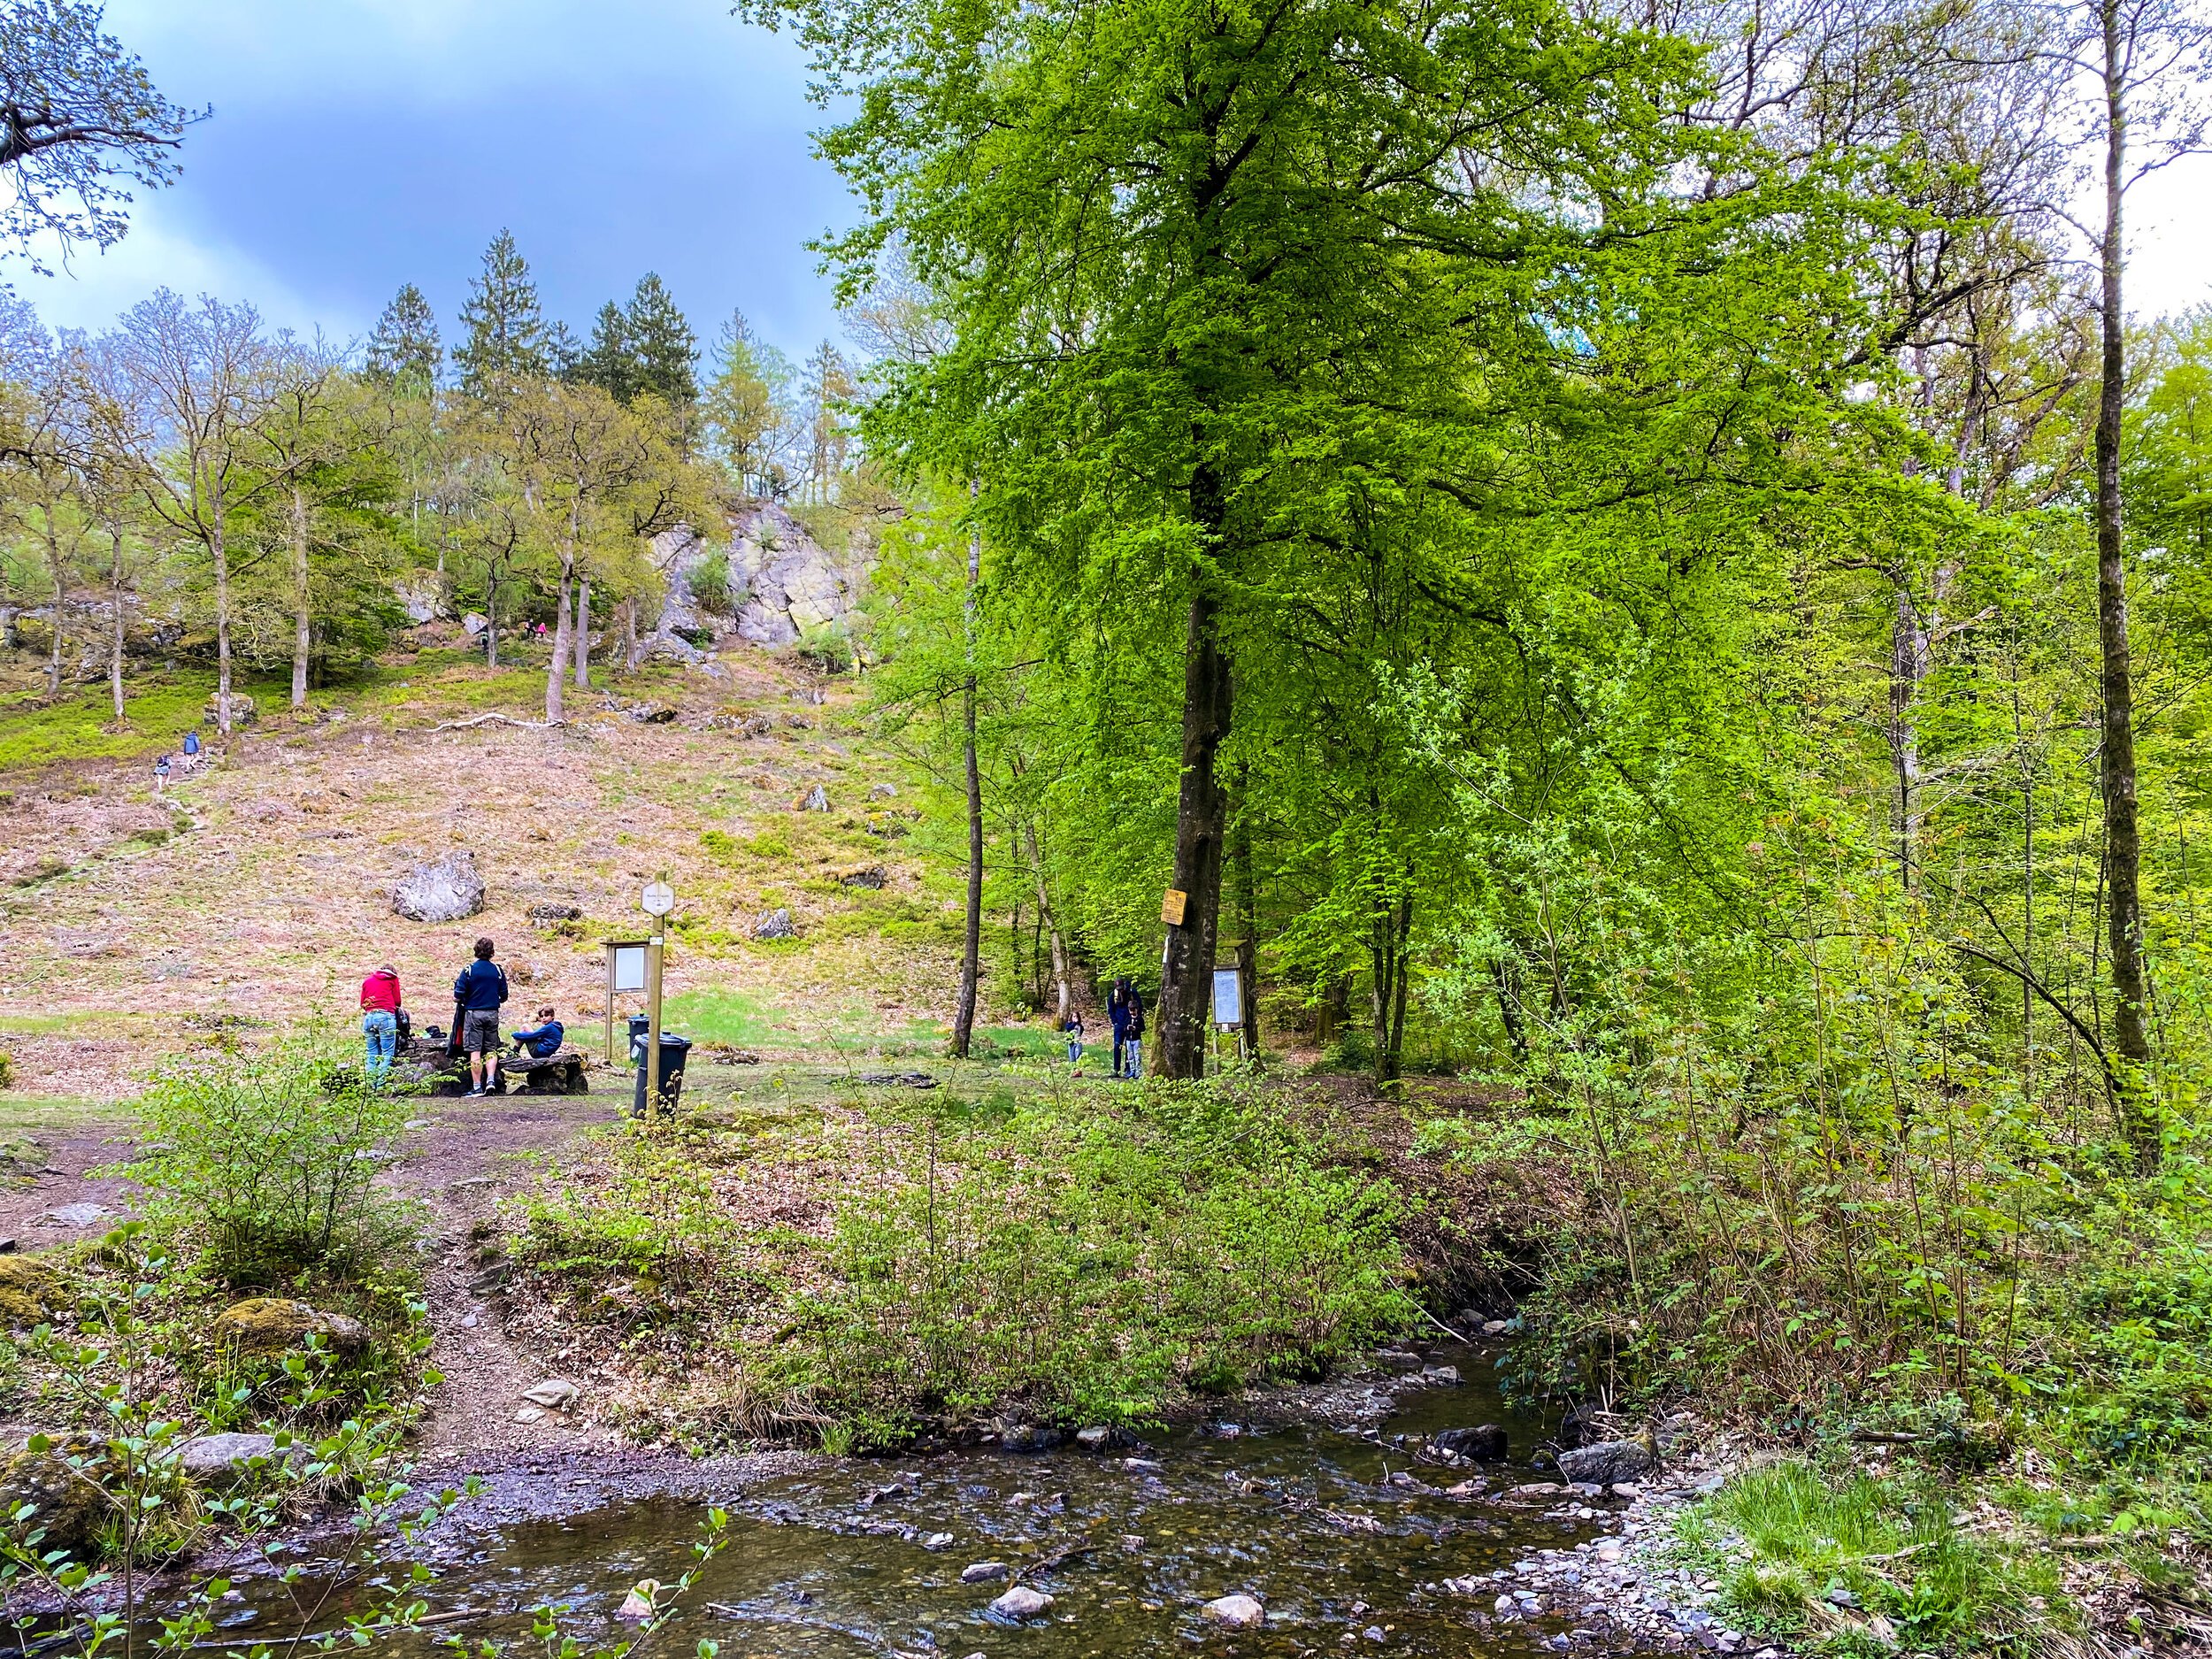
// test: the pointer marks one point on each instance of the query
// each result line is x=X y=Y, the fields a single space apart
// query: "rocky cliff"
x=783 y=585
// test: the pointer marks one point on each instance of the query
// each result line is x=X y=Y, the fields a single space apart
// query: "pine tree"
x=608 y=362
x=405 y=350
x=564 y=353
x=507 y=336
x=662 y=350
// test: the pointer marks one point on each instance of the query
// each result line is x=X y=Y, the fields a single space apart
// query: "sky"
x=359 y=144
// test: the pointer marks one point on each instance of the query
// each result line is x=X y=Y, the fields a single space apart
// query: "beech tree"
x=79 y=121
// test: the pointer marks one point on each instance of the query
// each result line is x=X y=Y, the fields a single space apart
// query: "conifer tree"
x=405 y=350
x=607 y=363
x=662 y=350
x=507 y=339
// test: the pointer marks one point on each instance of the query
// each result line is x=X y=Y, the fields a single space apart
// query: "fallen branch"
x=1046 y=1564
x=475 y=721
x=1885 y=1437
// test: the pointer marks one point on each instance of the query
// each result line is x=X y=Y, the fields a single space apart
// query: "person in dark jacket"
x=542 y=1040
x=477 y=996
x=1126 y=1008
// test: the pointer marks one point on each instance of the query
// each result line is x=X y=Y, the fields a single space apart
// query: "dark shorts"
x=479 y=1031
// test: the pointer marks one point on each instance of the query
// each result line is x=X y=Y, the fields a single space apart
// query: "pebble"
x=555 y=1394
x=529 y=1414
x=938 y=1540
x=1141 y=1466
x=1373 y=1633
x=982 y=1572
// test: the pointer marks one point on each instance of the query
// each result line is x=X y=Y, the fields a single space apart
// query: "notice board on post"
x=1228 y=997
x=1173 y=906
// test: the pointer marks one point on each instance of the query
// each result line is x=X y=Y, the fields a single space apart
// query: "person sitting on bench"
x=543 y=1040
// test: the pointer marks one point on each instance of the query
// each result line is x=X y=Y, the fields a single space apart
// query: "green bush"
x=1084 y=1262
x=268 y=1159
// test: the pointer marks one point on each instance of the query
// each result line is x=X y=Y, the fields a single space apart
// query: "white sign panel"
x=629 y=968
x=657 y=899
x=1228 y=997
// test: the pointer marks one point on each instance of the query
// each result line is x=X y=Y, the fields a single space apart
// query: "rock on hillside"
x=783 y=584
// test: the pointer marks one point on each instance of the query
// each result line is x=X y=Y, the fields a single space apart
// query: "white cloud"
x=95 y=288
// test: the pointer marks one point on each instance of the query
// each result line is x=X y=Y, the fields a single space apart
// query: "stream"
x=1320 y=1524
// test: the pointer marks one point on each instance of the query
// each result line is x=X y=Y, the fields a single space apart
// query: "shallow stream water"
x=1306 y=1518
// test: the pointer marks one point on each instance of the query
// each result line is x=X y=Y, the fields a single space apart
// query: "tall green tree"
x=404 y=351
x=505 y=342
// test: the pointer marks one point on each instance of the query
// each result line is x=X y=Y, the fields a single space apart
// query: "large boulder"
x=1486 y=1443
x=272 y=1324
x=1607 y=1462
x=215 y=1459
x=67 y=1506
x=785 y=585
x=445 y=891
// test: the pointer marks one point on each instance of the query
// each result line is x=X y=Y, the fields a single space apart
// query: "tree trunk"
x=61 y=598
x=115 y=614
x=1393 y=930
x=2123 y=832
x=491 y=624
x=302 y=606
x=555 y=669
x=220 y=550
x=1201 y=811
x=583 y=633
x=1908 y=667
x=629 y=635
x=971 y=951
x=1247 y=919
x=1049 y=920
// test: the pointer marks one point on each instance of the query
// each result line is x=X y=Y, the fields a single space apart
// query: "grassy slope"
x=262 y=889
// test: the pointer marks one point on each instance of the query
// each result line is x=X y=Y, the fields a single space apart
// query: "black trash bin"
x=639 y=1024
x=674 y=1050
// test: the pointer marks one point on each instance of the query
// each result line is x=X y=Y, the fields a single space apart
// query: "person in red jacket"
x=379 y=1024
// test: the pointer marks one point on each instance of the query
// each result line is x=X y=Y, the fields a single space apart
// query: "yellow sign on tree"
x=1171 y=907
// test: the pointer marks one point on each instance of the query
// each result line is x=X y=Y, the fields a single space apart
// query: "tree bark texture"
x=583 y=631
x=1248 y=921
x=302 y=607
x=972 y=944
x=2117 y=775
x=1200 y=821
x=115 y=619
x=555 y=669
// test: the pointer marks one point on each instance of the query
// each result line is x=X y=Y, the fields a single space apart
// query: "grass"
x=22 y=1113
x=160 y=707
x=1853 y=1562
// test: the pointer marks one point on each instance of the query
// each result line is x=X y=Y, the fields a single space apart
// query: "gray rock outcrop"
x=445 y=891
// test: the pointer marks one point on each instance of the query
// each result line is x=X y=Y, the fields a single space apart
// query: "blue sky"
x=359 y=144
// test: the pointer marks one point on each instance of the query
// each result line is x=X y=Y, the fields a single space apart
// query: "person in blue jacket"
x=542 y=1040
x=477 y=996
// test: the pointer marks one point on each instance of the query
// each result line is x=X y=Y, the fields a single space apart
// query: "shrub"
x=269 y=1157
x=1083 y=1263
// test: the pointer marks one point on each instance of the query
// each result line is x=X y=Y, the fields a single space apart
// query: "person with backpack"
x=161 y=775
x=192 y=751
x=380 y=1025
x=477 y=996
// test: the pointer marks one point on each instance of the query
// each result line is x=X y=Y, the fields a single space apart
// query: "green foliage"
x=1856 y=1563
x=648 y=1213
x=267 y=1159
x=1083 y=1261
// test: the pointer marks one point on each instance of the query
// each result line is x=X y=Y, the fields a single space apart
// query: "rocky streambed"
x=1320 y=1518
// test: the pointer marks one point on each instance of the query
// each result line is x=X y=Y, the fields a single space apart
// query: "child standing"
x=1074 y=1028
x=161 y=775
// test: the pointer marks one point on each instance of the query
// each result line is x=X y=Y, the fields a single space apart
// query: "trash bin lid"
x=669 y=1039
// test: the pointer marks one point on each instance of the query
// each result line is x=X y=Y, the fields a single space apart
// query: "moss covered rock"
x=67 y=1506
x=27 y=1290
x=270 y=1325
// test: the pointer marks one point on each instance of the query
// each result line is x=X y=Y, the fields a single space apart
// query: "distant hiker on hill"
x=1126 y=1009
x=543 y=1040
x=379 y=1024
x=477 y=995
x=192 y=751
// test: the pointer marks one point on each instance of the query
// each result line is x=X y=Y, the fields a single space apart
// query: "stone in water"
x=1236 y=1612
x=1021 y=1603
